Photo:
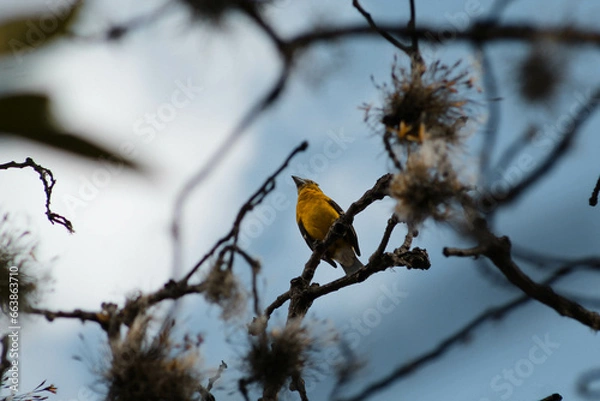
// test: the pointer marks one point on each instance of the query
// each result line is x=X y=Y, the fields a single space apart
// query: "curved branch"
x=557 y=152
x=491 y=314
x=498 y=251
x=218 y=156
x=479 y=32
x=342 y=224
x=594 y=197
x=48 y=181
x=406 y=49
x=255 y=200
x=493 y=121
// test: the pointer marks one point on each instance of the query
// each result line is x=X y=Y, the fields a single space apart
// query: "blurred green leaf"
x=28 y=116
x=25 y=34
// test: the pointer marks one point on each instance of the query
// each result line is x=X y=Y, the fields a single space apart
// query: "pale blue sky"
x=122 y=240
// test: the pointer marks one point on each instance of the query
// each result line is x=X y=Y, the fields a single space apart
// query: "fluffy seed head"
x=277 y=355
x=223 y=288
x=426 y=188
x=418 y=107
x=17 y=262
x=144 y=368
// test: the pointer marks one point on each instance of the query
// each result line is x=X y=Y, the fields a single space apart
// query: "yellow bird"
x=315 y=213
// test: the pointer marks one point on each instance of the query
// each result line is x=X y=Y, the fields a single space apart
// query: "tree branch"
x=491 y=314
x=493 y=121
x=4 y=362
x=412 y=51
x=263 y=104
x=498 y=251
x=249 y=205
x=559 y=150
x=342 y=224
x=406 y=49
x=413 y=259
x=48 y=182
x=302 y=295
x=594 y=197
x=479 y=32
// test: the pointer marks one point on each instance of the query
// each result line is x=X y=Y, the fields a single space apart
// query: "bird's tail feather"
x=353 y=267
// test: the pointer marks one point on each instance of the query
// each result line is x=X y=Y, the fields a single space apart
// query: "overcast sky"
x=173 y=90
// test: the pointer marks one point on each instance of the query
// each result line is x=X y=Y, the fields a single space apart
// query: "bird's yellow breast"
x=315 y=212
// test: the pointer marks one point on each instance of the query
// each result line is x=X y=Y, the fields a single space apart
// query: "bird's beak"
x=299 y=181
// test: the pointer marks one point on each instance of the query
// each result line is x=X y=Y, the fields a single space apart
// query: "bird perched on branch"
x=315 y=214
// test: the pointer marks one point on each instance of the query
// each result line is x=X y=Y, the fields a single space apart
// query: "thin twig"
x=379 y=261
x=299 y=302
x=391 y=224
x=387 y=136
x=75 y=314
x=48 y=181
x=445 y=345
x=217 y=376
x=513 y=149
x=411 y=51
x=406 y=49
x=416 y=61
x=594 y=197
x=493 y=118
x=279 y=301
x=416 y=258
x=263 y=104
x=479 y=32
x=498 y=251
x=557 y=152
x=255 y=267
x=341 y=225
x=251 y=203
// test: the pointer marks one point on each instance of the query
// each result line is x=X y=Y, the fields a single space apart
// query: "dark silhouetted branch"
x=302 y=294
x=557 y=152
x=493 y=119
x=594 y=197
x=339 y=228
x=411 y=51
x=389 y=228
x=251 y=203
x=279 y=301
x=553 y=397
x=387 y=137
x=263 y=104
x=479 y=32
x=406 y=49
x=416 y=258
x=48 y=181
x=497 y=249
x=4 y=362
x=75 y=314
x=491 y=314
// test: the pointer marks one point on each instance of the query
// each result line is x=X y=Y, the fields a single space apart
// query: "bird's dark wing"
x=311 y=243
x=351 y=233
